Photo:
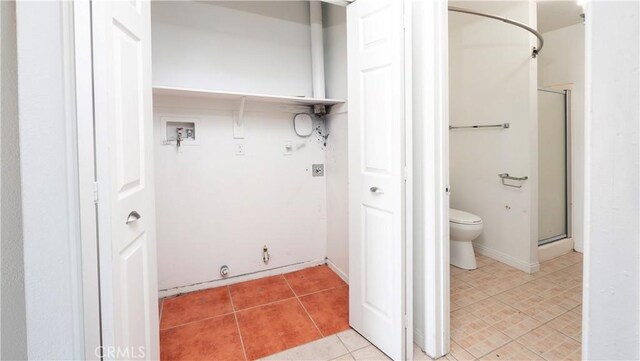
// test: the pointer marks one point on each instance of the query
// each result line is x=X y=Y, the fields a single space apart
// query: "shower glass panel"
x=552 y=166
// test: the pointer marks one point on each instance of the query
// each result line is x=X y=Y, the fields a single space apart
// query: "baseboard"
x=240 y=278
x=418 y=339
x=507 y=259
x=337 y=270
x=555 y=249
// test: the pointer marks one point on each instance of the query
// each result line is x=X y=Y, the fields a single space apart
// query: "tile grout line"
x=357 y=349
x=235 y=316
x=560 y=332
x=314 y=292
x=492 y=350
x=449 y=353
x=304 y=308
x=527 y=347
x=516 y=340
x=509 y=289
x=495 y=349
x=196 y=321
x=510 y=340
x=265 y=304
x=286 y=299
x=539 y=326
x=235 y=311
x=248 y=308
x=345 y=346
x=283 y=299
x=296 y=296
x=322 y=290
x=342 y=343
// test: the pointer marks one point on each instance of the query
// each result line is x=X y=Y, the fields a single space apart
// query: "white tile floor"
x=498 y=313
x=346 y=345
x=501 y=313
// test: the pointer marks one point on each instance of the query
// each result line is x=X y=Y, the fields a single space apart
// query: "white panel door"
x=376 y=166
x=124 y=151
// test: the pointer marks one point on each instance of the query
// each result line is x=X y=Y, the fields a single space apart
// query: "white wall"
x=48 y=164
x=250 y=46
x=493 y=80
x=216 y=208
x=561 y=62
x=612 y=253
x=337 y=156
x=13 y=338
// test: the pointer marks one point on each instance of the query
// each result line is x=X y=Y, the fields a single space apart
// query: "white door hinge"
x=95 y=192
x=405 y=321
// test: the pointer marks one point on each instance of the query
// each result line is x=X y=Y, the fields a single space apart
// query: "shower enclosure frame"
x=568 y=166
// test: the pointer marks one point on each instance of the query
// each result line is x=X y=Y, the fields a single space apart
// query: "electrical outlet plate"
x=317 y=170
x=240 y=147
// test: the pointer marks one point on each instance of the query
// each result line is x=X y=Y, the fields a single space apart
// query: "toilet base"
x=462 y=255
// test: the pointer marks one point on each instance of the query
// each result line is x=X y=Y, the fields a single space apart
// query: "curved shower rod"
x=536 y=50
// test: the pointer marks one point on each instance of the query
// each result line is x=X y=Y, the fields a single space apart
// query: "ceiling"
x=556 y=14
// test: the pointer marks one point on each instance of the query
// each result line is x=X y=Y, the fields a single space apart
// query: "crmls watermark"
x=114 y=352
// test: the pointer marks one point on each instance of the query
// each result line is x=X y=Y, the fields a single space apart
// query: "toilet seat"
x=462 y=217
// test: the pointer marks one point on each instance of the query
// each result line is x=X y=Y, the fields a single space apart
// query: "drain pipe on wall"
x=317 y=54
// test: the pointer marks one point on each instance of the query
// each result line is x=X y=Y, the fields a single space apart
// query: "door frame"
x=566 y=91
x=434 y=43
x=428 y=322
x=98 y=329
x=408 y=189
x=431 y=167
x=87 y=178
x=98 y=309
x=442 y=173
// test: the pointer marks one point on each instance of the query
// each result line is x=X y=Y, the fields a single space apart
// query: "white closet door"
x=376 y=166
x=124 y=149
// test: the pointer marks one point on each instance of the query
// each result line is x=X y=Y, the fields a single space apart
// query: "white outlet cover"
x=240 y=147
x=303 y=124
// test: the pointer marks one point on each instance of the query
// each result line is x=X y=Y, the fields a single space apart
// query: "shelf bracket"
x=238 y=130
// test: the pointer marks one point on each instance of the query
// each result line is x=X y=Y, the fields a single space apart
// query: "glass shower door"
x=552 y=166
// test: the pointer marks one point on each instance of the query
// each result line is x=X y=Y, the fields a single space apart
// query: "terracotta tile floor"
x=254 y=319
x=498 y=313
x=501 y=313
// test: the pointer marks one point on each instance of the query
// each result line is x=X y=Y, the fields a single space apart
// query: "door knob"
x=133 y=216
x=376 y=190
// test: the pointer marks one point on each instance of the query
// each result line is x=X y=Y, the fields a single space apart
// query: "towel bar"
x=503 y=125
x=505 y=176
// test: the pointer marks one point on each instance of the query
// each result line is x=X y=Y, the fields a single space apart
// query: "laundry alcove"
x=244 y=72
x=250 y=195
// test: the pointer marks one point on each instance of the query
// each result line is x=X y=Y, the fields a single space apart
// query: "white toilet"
x=464 y=227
